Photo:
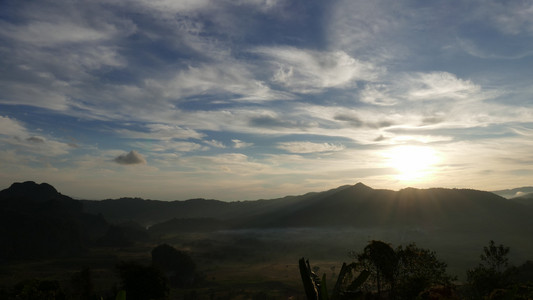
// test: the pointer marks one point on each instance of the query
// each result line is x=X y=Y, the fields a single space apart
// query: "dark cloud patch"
x=271 y=122
x=432 y=120
x=132 y=158
x=35 y=139
x=353 y=120
x=380 y=138
x=381 y=124
x=358 y=123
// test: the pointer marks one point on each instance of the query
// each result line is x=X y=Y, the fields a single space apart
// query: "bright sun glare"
x=413 y=163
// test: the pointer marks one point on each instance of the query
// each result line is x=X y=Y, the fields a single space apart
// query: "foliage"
x=418 y=270
x=495 y=257
x=142 y=282
x=489 y=275
x=345 y=288
x=403 y=273
x=380 y=260
x=38 y=289
x=178 y=266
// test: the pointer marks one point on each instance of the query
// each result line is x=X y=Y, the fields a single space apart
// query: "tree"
x=495 y=257
x=491 y=273
x=381 y=261
x=418 y=271
x=142 y=282
x=403 y=273
x=178 y=266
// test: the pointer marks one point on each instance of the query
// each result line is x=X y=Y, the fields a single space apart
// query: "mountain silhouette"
x=37 y=221
x=351 y=205
x=31 y=190
x=362 y=206
x=28 y=210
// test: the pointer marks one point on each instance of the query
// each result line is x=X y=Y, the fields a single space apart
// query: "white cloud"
x=238 y=144
x=377 y=94
x=11 y=127
x=309 y=147
x=439 y=85
x=50 y=34
x=49 y=96
x=16 y=135
x=215 y=143
x=307 y=71
x=230 y=80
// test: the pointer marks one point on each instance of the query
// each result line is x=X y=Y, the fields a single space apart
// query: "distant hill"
x=356 y=206
x=513 y=193
x=149 y=212
x=526 y=199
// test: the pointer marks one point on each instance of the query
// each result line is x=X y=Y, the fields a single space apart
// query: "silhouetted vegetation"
x=36 y=289
x=384 y=273
x=347 y=286
x=493 y=278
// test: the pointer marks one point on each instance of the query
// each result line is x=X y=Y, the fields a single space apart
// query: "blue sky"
x=238 y=100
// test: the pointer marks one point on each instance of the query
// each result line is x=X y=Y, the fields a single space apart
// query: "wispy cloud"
x=309 y=147
x=216 y=144
x=306 y=71
x=15 y=135
x=439 y=85
x=160 y=132
x=238 y=144
x=11 y=127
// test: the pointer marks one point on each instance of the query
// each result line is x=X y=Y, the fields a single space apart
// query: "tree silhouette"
x=419 y=270
x=491 y=273
x=381 y=261
x=403 y=273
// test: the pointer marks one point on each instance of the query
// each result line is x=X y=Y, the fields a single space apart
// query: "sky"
x=258 y=99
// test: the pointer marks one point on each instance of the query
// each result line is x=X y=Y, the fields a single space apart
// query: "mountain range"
x=351 y=205
x=29 y=212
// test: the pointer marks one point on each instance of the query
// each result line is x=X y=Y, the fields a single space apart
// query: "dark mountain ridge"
x=36 y=221
x=149 y=212
x=356 y=206
x=362 y=206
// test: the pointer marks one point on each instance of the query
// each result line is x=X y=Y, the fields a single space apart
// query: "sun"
x=413 y=163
